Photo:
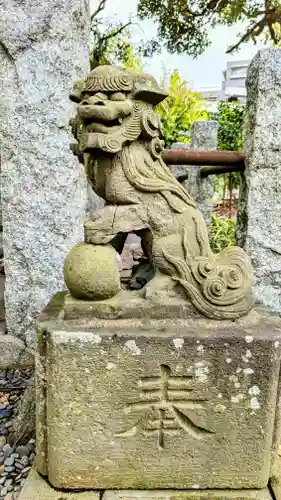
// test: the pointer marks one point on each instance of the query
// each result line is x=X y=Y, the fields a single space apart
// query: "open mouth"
x=104 y=126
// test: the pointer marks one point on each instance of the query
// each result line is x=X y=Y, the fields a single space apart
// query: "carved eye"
x=117 y=96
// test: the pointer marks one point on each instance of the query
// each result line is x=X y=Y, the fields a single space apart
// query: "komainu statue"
x=119 y=140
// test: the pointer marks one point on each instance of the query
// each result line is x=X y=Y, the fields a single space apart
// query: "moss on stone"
x=91 y=272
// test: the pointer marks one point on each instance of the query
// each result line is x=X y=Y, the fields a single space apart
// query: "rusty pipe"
x=204 y=158
x=221 y=169
x=214 y=170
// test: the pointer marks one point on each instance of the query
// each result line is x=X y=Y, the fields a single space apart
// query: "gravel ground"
x=15 y=459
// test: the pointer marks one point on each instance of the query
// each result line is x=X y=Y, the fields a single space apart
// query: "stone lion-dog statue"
x=119 y=140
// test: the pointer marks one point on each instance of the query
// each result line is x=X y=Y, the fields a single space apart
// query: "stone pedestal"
x=37 y=488
x=191 y=495
x=156 y=404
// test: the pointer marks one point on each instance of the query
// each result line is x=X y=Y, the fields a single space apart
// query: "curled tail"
x=218 y=285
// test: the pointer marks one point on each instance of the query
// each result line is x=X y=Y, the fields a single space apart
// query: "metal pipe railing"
x=221 y=169
x=213 y=162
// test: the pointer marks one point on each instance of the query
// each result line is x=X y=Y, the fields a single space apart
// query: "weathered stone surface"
x=204 y=136
x=110 y=387
x=37 y=488
x=179 y=170
x=23 y=425
x=14 y=353
x=259 y=223
x=2 y=304
x=1 y=243
x=189 y=495
x=43 y=49
x=129 y=304
x=94 y=202
x=91 y=272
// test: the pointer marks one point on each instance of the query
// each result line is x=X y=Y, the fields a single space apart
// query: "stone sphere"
x=91 y=272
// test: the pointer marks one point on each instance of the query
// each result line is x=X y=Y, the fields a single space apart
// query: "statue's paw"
x=97 y=233
x=98 y=237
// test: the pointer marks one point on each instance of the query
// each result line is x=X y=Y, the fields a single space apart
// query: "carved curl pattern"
x=150 y=123
x=219 y=286
x=155 y=147
x=111 y=144
x=111 y=83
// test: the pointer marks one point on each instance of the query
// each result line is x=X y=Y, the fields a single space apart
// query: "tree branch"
x=100 y=8
x=252 y=16
x=272 y=15
x=215 y=5
x=251 y=32
x=272 y=34
x=116 y=32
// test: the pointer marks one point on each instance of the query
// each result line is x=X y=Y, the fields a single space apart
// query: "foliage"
x=222 y=233
x=114 y=47
x=184 y=25
x=180 y=110
x=111 y=42
x=230 y=117
x=277 y=30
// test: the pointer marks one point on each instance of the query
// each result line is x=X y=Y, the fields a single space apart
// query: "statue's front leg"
x=111 y=220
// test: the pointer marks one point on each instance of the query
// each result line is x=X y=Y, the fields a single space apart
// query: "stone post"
x=204 y=136
x=259 y=215
x=43 y=50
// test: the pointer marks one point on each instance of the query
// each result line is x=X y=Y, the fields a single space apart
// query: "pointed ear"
x=153 y=96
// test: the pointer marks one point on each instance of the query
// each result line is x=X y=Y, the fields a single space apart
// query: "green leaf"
x=180 y=109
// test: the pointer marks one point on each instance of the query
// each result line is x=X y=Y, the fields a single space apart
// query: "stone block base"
x=37 y=488
x=150 y=404
x=188 y=495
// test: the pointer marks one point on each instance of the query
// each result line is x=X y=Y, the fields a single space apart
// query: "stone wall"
x=259 y=216
x=43 y=49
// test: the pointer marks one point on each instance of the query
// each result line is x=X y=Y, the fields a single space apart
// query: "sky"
x=202 y=73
